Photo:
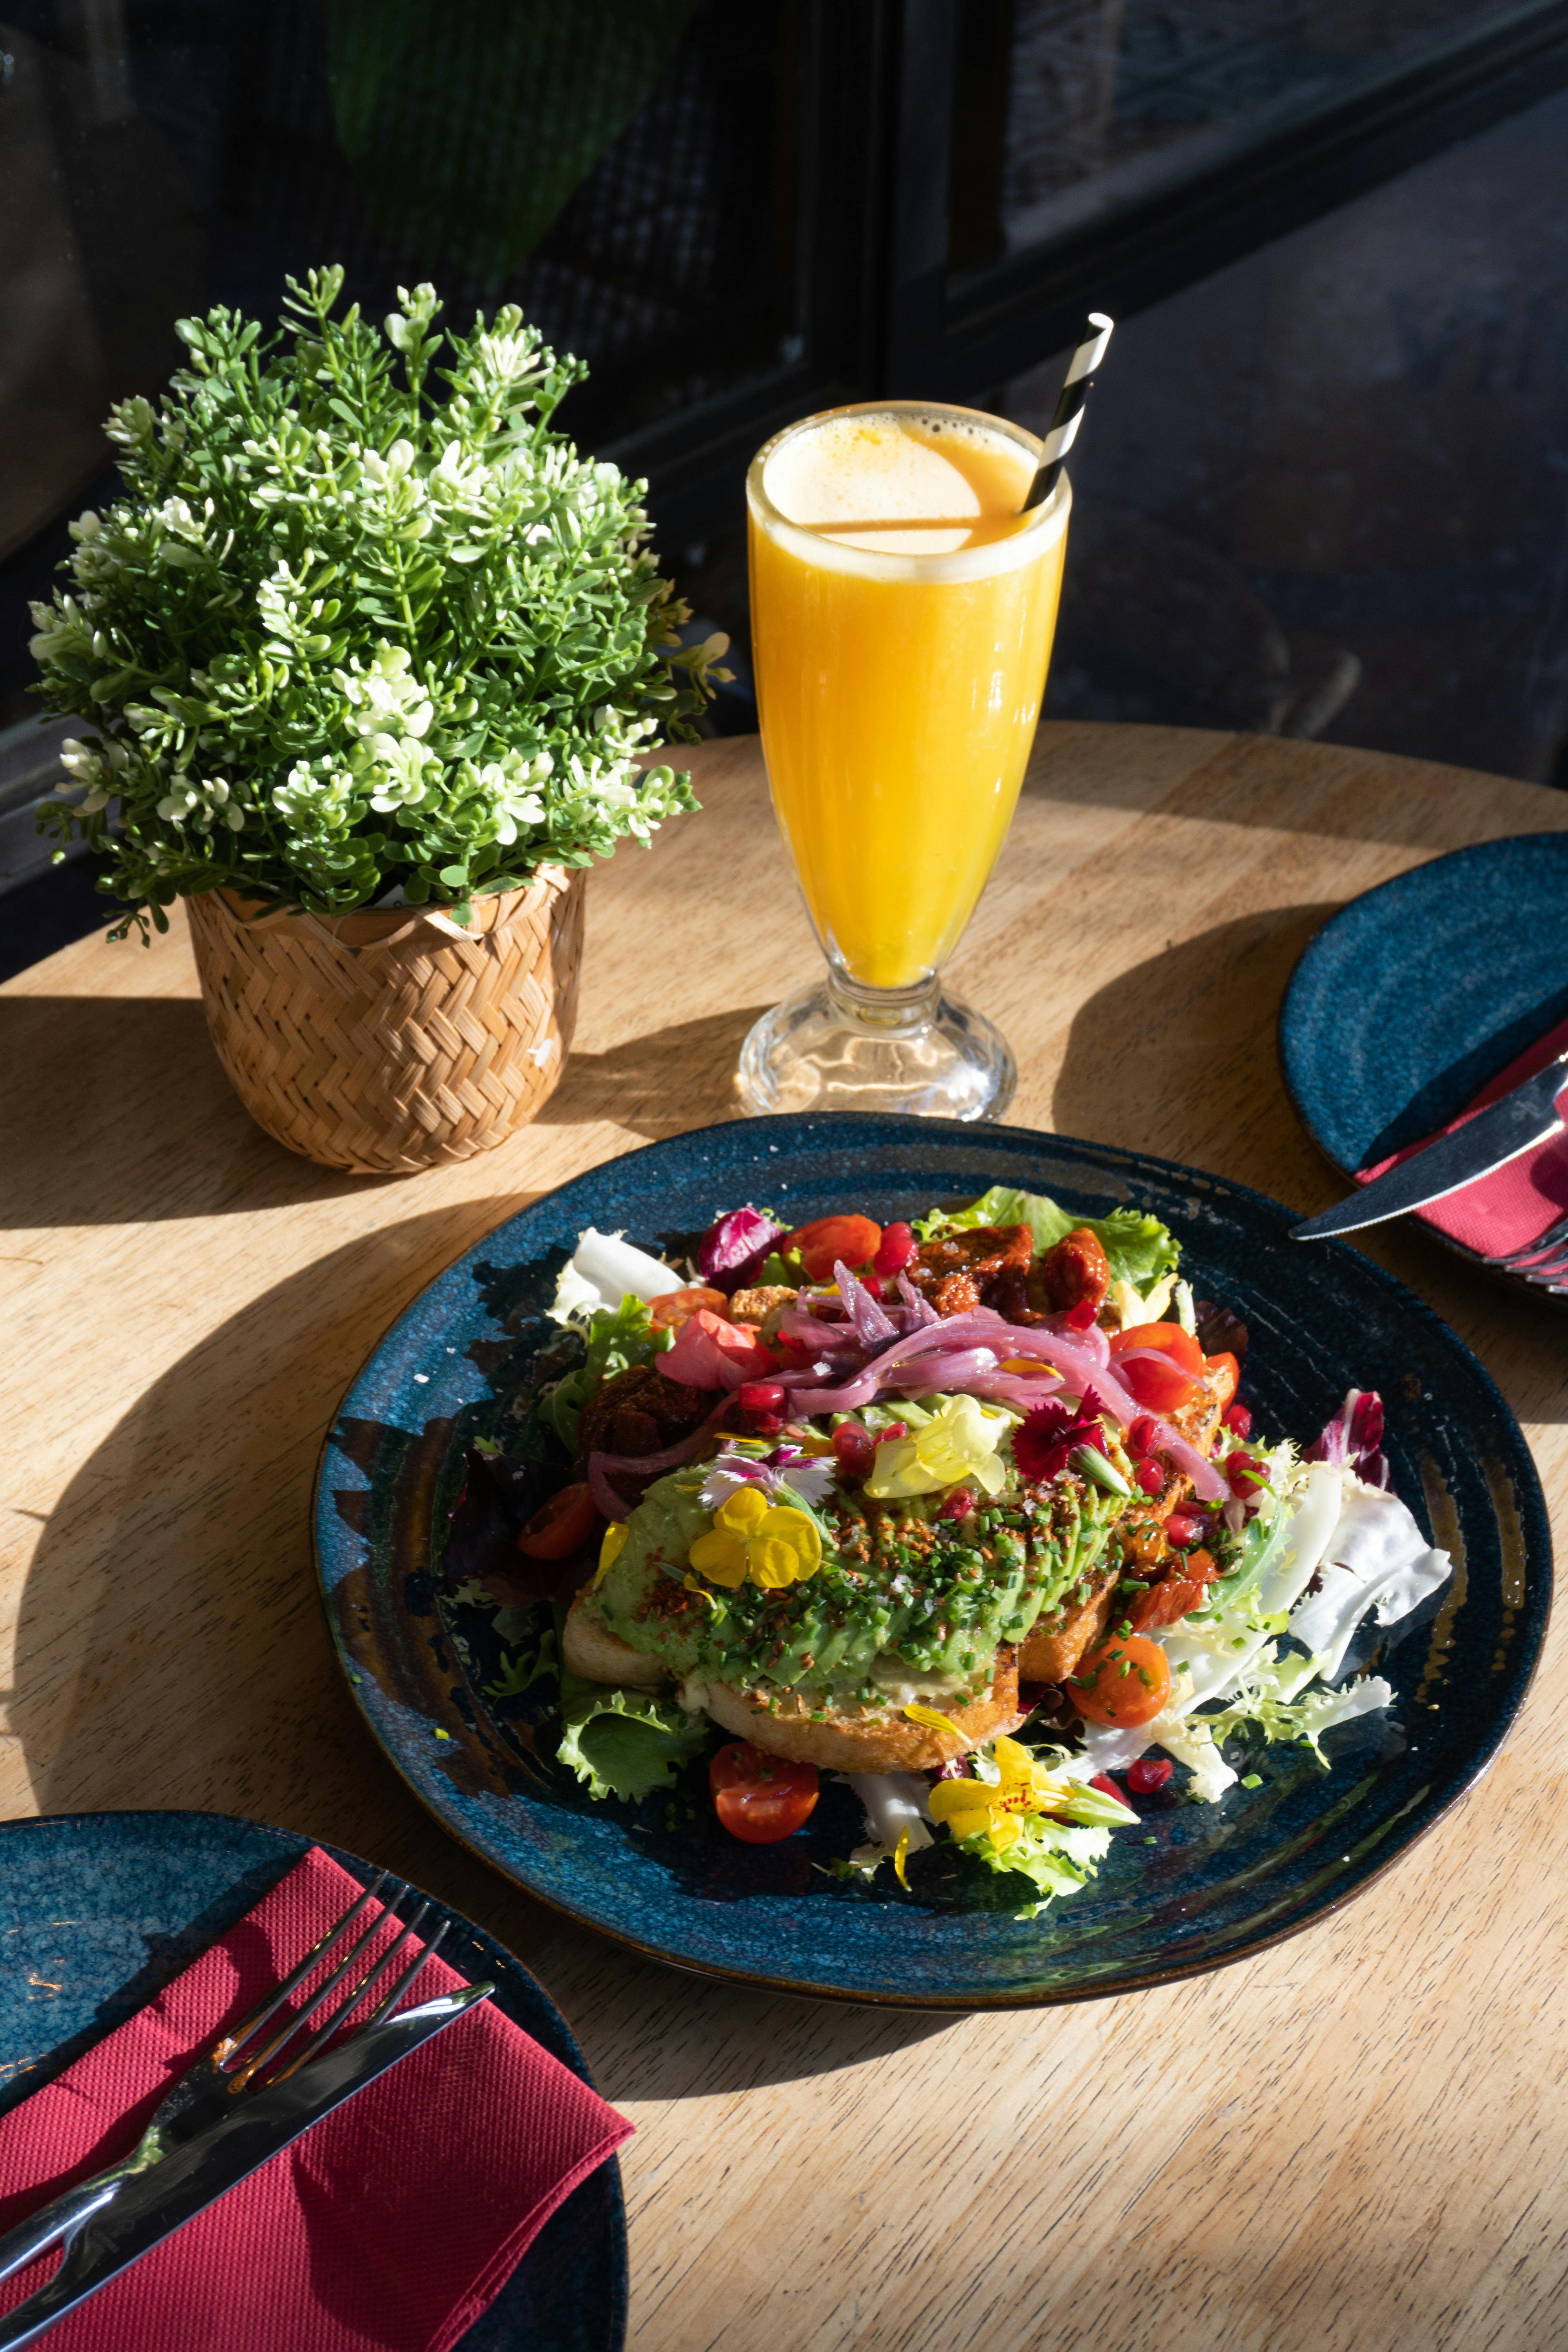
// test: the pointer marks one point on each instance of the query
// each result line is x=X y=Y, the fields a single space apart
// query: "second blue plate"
x=1409 y=999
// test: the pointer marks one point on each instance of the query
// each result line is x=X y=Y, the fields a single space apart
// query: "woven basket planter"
x=393 y=1040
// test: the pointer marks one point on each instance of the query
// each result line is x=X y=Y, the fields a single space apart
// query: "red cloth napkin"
x=1509 y=1208
x=388 y=2228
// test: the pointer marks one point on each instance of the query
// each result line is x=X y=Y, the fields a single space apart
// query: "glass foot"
x=839 y=1048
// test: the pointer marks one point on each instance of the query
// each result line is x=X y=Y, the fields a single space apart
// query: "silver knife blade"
x=147 y=2207
x=1489 y=1140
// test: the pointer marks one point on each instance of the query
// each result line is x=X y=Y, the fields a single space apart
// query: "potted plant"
x=370 y=672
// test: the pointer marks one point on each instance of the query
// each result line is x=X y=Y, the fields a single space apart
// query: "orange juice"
x=902 y=610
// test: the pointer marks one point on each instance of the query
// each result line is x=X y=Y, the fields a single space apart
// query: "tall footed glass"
x=902 y=610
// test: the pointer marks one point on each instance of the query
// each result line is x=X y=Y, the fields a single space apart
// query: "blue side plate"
x=1201 y=1884
x=1412 y=996
x=98 y=1911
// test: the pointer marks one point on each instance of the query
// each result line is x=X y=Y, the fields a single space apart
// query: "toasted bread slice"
x=867 y=1740
x=873 y=1738
x=1059 y=1638
x=589 y=1648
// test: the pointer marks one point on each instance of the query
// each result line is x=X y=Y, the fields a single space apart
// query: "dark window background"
x=1322 y=486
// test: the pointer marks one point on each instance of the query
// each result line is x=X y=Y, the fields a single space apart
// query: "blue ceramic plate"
x=1412 y=996
x=99 y=1910
x=1203 y=1884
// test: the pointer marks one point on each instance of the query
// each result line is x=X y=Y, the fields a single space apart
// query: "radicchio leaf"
x=732 y=1252
x=1352 y=1440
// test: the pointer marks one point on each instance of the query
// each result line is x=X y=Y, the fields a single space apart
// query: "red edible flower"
x=1046 y=1435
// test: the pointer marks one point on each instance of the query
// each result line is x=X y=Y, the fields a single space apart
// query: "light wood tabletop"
x=1355 y=2139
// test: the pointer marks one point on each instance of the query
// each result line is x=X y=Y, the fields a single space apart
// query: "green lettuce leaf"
x=616 y=1339
x=1138 y=1248
x=624 y=1743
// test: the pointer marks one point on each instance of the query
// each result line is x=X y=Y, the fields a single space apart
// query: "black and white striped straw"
x=1070 y=407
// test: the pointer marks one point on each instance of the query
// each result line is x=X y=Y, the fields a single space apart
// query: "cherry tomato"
x=1165 y=1381
x=896 y=1250
x=760 y=1798
x=677 y=1307
x=561 y=1525
x=1223 y=1377
x=1126 y=1681
x=821 y=1243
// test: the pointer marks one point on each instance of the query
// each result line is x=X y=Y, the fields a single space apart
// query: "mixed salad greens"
x=968 y=1512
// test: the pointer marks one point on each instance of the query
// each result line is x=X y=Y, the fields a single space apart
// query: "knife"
x=145 y=2208
x=1489 y=1140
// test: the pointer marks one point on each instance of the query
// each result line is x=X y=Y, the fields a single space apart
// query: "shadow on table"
x=172 y=1652
x=80 y=1070
x=1196 y=1029
x=662 y=1082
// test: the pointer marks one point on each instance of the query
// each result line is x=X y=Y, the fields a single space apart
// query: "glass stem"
x=889 y=1013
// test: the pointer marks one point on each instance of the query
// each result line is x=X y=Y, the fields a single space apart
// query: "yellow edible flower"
x=957 y=1446
x=916 y=1712
x=610 y=1551
x=992 y=1808
x=769 y=1543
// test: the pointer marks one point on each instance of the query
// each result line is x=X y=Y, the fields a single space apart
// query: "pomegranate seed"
x=869 y=1283
x=1107 y=1785
x=1237 y=1417
x=1246 y=1474
x=766 y=1425
x=894 y=1428
x=760 y=1396
x=958 y=1504
x=1183 y=1528
x=854 y=1447
x=897 y=1251
x=1150 y=1477
x=1144 y=1435
x=1080 y=1316
x=1149 y=1773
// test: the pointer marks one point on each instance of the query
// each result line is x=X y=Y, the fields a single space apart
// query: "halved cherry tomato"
x=1166 y=1380
x=1125 y=1681
x=761 y=1798
x=675 y=1307
x=827 y=1239
x=1224 y=1379
x=561 y=1525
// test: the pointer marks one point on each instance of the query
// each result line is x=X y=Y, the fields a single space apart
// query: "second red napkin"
x=1507 y=1209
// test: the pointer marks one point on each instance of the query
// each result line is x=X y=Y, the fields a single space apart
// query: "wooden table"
x=1356 y=2139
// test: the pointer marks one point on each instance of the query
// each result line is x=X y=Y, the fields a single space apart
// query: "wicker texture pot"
x=393 y=1040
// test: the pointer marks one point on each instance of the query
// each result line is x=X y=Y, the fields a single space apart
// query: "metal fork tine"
x=260 y=2016
x=1551 y=1239
x=242 y=2075
x=350 y=2001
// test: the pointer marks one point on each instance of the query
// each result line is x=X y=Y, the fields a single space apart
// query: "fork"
x=1544 y=1261
x=221 y=2075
